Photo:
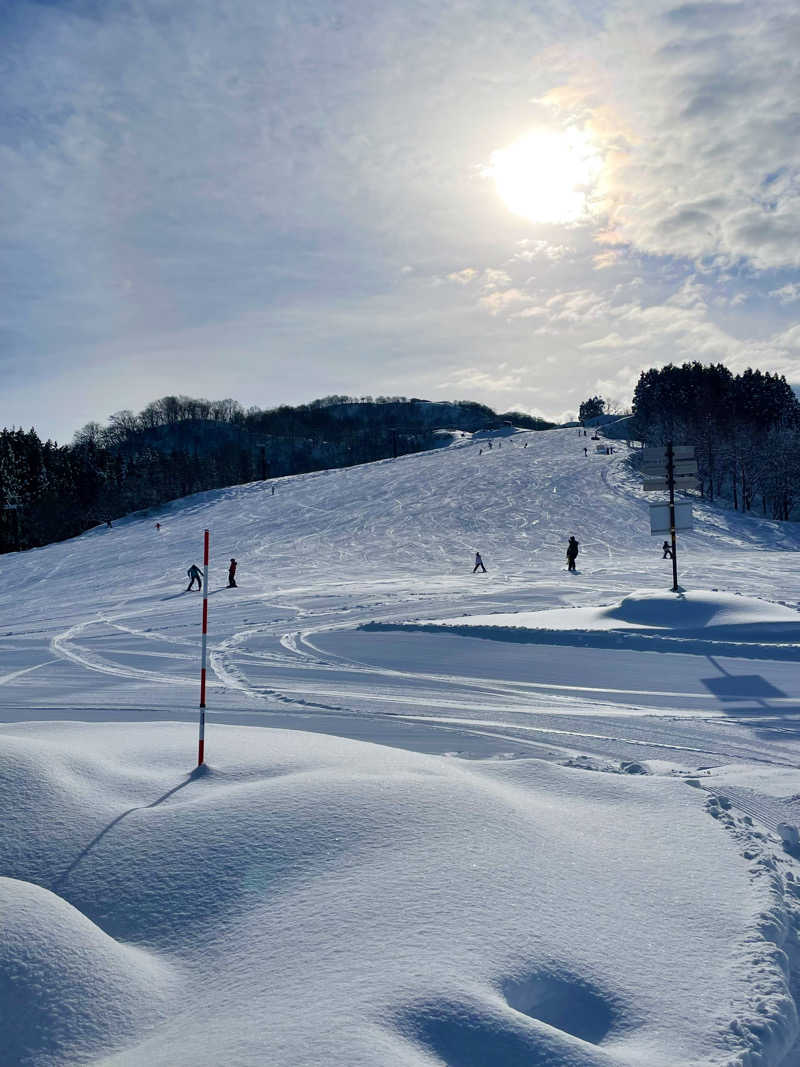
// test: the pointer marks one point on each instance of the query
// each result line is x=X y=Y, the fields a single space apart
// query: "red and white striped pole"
x=204 y=640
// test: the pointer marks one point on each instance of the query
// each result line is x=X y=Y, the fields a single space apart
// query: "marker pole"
x=671 y=485
x=203 y=645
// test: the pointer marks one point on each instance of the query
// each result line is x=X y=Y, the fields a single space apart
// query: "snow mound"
x=66 y=985
x=704 y=610
x=426 y=909
x=704 y=615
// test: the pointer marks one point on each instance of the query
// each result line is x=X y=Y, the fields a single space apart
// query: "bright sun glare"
x=547 y=177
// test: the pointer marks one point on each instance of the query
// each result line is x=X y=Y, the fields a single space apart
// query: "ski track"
x=290 y=669
x=393 y=542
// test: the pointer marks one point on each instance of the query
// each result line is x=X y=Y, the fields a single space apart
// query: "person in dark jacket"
x=667 y=550
x=232 y=575
x=572 y=553
x=195 y=574
x=478 y=563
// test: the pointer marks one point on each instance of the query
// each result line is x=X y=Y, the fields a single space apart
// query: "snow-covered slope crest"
x=701 y=615
x=308 y=899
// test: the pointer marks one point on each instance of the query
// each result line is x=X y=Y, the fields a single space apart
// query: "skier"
x=572 y=553
x=273 y=491
x=667 y=550
x=585 y=450
x=195 y=574
x=232 y=575
x=478 y=563
x=158 y=525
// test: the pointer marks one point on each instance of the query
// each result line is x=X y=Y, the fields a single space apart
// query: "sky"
x=523 y=204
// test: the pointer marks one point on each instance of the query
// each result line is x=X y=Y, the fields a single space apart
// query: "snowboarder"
x=478 y=563
x=232 y=575
x=667 y=550
x=195 y=574
x=572 y=553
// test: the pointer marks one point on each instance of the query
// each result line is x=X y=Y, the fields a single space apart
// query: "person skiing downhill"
x=572 y=553
x=195 y=574
x=667 y=550
x=478 y=563
x=232 y=575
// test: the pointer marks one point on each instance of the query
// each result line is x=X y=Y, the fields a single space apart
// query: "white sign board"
x=659 y=518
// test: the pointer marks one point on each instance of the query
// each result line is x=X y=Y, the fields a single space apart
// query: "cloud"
x=463 y=277
x=604 y=260
x=504 y=381
x=699 y=100
x=787 y=294
x=282 y=200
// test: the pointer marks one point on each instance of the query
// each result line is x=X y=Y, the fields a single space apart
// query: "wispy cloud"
x=281 y=200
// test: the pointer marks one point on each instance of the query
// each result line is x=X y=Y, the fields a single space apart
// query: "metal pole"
x=203 y=645
x=671 y=483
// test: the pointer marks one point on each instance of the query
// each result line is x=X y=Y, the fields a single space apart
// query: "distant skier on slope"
x=195 y=574
x=232 y=575
x=478 y=563
x=572 y=553
x=585 y=450
x=667 y=550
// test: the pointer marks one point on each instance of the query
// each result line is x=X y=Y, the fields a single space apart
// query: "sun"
x=547 y=176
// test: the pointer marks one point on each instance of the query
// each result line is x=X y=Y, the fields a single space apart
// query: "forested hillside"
x=746 y=429
x=179 y=445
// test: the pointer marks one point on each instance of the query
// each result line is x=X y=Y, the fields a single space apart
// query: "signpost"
x=670 y=467
x=201 y=741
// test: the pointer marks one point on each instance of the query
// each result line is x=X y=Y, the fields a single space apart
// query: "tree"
x=591 y=408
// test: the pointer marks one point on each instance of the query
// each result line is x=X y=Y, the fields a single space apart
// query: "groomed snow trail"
x=99 y=629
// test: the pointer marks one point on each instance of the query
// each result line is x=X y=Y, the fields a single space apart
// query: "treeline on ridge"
x=180 y=445
x=745 y=427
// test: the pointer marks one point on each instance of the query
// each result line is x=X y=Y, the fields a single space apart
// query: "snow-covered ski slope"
x=485 y=885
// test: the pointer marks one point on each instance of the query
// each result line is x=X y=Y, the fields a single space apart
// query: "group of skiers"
x=572 y=555
x=196 y=575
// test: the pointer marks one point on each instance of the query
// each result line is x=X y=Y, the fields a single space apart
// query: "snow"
x=410 y=844
x=687 y=613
